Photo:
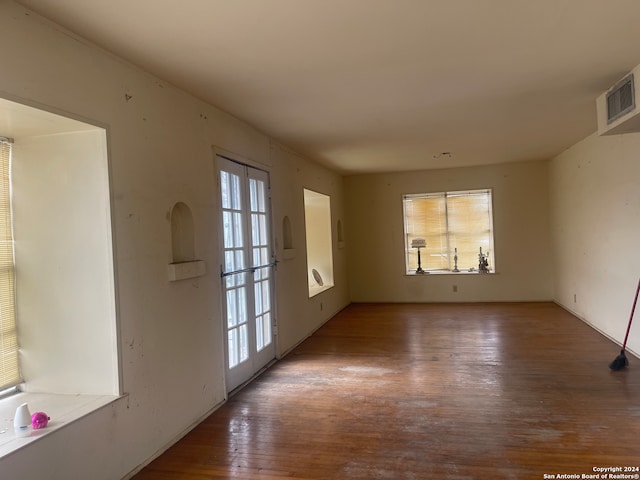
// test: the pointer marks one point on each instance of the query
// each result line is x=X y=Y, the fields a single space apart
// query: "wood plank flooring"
x=427 y=391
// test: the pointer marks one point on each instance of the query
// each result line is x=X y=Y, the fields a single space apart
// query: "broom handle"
x=633 y=309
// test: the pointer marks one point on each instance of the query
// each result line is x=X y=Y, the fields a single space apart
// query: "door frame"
x=226 y=156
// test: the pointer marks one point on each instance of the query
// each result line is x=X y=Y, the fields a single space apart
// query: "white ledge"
x=184 y=270
x=61 y=409
x=317 y=289
x=447 y=272
x=288 y=253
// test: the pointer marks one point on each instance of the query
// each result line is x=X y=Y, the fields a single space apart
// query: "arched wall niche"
x=183 y=251
x=288 y=247
x=340 y=234
x=182 y=235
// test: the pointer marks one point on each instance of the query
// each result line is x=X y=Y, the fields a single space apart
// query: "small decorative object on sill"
x=419 y=243
x=483 y=262
x=39 y=420
x=22 y=421
x=455 y=260
x=317 y=277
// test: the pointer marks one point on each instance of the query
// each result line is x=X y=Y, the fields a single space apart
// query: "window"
x=317 y=214
x=453 y=224
x=9 y=372
x=65 y=306
x=58 y=330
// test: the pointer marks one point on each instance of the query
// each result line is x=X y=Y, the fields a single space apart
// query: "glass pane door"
x=247 y=270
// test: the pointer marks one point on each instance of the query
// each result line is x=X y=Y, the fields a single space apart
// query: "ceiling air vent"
x=620 y=99
x=617 y=109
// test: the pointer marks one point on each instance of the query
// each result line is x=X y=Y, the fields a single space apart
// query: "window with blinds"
x=450 y=222
x=9 y=371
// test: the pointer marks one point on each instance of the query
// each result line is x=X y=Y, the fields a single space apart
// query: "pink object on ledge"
x=39 y=420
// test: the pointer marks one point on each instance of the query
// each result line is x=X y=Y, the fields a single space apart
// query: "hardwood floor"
x=427 y=391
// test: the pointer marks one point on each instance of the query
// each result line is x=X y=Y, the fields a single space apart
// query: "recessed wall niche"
x=182 y=237
x=317 y=217
x=183 y=258
x=340 y=234
x=288 y=250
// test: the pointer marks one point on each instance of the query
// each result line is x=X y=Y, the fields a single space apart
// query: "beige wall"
x=161 y=143
x=300 y=315
x=65 y=283
x=521 y=232
x=595 y=227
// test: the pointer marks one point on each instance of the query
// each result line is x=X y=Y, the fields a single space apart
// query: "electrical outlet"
x=455 y=289
x=575 y=298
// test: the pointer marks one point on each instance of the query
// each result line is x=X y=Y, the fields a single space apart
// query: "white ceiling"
x=382 y=85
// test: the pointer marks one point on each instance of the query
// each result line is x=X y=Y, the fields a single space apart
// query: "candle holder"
x=419 y=243
x=483 y=262
x=455 y=260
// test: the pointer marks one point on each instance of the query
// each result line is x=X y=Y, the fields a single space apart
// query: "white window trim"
x=62 y=410
x=80 y=397
x=408 y=271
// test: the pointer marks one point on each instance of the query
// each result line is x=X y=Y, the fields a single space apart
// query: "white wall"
x=521 y=234
x=595 y=227
x=291 y=174
x=160 y=148
x=319 y=240
x=65 y=284
x=161 y=152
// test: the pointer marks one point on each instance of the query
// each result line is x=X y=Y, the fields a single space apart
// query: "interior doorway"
x=247 y=270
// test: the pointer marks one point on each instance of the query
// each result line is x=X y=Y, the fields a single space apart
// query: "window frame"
x=319 y=241
x=10 y=374
x=447 y=247
x=70 y=158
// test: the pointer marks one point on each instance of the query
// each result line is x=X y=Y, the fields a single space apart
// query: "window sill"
x=446 y=272
x=316 y=289
x=62 y=410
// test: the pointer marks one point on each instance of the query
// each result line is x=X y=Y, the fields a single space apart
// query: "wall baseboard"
x=175 y=440
x=606 y=335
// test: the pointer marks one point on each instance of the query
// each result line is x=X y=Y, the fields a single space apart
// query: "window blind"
x=449 y=221
x=9 y=371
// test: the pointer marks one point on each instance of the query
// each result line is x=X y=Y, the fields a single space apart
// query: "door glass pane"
x=263 y=274
x=239 y=260
x=264 y=294
x=242 y=304
x=229 y=266
x=258 y=294
x=266 y=325
x=260 y=195
x=263 y=331
x=227 y=226
x=243 y=340
x=237 y=230
x=232 y=341
x=255 y=229
x=232 y=311
x=259 y=333
x=253 y=194
x=260 y=256
x=225 y=190
x=236 y=204
x=257 y=195
x=246 y=242
x=262 y=229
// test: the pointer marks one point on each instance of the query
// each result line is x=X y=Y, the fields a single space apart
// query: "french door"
x=246 y=270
